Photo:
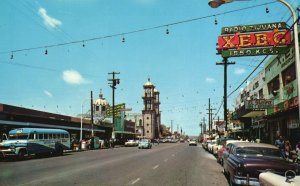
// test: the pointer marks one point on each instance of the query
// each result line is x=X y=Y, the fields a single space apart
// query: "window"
x=147 y=131
x=46 y=136
x=273 y=85
x=31 y=136
x=50 y=136
x=289 y=74
x=261 y=94
x=41 y=136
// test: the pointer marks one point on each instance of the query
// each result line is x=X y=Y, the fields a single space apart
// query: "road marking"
x=155 y=167
x=165 y=160
x=135 y=181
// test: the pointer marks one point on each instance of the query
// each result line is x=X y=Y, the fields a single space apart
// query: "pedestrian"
x=298 y=151
x=158 y=141
x=287 y=149
x=280 y=143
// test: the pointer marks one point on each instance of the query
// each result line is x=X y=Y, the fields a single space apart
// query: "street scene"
x=164 y=164
x=149 y=92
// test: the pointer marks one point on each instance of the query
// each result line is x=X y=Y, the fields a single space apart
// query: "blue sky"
x=182 y=64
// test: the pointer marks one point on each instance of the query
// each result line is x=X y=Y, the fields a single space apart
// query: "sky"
x=83 y=39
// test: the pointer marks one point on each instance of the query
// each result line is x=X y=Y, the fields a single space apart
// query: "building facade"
x=151 y=112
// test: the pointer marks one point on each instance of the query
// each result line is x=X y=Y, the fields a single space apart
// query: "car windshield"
x=144 y=140
x=258 y=151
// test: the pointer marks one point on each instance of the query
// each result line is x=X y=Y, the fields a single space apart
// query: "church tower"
x=151 y=114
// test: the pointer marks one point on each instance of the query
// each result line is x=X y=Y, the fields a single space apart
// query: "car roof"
x=249 y=144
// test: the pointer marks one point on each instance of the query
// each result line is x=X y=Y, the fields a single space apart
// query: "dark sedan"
x=244 y=161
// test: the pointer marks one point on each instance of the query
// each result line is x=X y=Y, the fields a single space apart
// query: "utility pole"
x=209 y=115
x=92 y=113
x=113 y=82
x=225 y=63
x=172 y=127
x=204 y=125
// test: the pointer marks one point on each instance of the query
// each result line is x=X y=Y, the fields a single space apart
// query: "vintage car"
x=223 y=149
x=270 y=178
x=131 y=143
x=244 y=162
x=210 y=145
x=145 y=144
x=192 y=142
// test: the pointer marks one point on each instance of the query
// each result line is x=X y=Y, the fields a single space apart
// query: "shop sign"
x=258 y=104
x=293 y=125
x=118 y=108
x=290 y=103
x=254 y=28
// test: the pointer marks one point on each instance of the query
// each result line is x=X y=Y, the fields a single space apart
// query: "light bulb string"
x=135 y=31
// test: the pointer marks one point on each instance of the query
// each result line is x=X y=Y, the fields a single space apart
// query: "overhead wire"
x=134 y=31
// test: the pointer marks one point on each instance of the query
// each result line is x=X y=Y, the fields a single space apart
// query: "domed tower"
x=100 y=105
x=151 y=111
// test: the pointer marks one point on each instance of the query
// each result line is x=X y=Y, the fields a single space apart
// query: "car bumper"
x=240 y=180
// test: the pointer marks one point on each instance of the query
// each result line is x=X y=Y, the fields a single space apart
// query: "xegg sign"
x=253 y=40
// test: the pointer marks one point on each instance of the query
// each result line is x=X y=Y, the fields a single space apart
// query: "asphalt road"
x=163 y=165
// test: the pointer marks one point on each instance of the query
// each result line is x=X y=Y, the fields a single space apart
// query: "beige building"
x=151 y=112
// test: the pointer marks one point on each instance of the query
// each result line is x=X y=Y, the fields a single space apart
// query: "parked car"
x=210 y=145
x=131 y=143
x=245 y=161
x=270 y=178
x=145 y=144
x=192 y=142
x=205 y=144
x=221 y=151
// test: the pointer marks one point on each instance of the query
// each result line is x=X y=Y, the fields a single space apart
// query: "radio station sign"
x=253 y=40
x=258 y=104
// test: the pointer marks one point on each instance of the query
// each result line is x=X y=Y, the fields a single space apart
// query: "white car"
x=272 y=179
x=192 y=142
x=210 y=146
x=131 y=143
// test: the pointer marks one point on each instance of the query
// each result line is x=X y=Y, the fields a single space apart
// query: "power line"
x=134 y=31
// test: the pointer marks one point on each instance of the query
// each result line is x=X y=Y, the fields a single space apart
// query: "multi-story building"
x=151 y=112
x=270 y=101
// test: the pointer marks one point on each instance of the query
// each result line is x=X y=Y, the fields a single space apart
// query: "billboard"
x=253 y=40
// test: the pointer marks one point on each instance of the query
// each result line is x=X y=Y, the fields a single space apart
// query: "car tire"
x=21 y=154
x=59 y=151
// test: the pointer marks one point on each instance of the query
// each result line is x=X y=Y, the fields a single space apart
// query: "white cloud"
x=49 y=21
x=239 y=71
x=210 y=80
x=48 y=93
x=73 y=77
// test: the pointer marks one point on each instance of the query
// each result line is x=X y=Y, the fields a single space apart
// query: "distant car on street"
x=145 y=144
x=192 y=142
x=131 y=143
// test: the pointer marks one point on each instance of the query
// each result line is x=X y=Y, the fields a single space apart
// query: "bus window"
x=41 y=136
x=50 y=136
x=46 y=136
x=31 y=136
x=54 y=136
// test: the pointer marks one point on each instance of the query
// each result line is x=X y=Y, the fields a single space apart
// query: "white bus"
x=26 y=141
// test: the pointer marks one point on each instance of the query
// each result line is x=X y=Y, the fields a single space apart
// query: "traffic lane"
x=19 y=172
x=78 y=168
x=190 y=166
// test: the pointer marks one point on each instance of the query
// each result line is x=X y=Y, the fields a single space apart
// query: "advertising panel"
x=254 y=40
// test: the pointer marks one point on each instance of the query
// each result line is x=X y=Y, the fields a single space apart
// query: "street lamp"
x=81 y=116
x=217 y=3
